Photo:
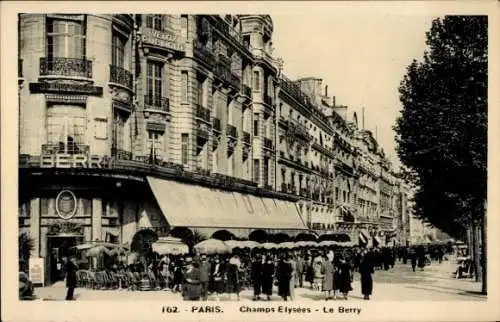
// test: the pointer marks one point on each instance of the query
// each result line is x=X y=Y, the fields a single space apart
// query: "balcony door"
x=66 y=128
x=66 y=38
x=154 y=84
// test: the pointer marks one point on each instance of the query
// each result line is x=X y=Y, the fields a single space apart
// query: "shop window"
x=65 y=38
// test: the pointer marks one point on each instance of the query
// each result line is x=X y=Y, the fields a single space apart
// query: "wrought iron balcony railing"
x=231 y=131
x=202 y=113
x=268 y=143
x=246 y=137
x=121 y=154
x=62 y=66
x=157 y=103
x=120 y=76
x=216 y=124
x=64 y=148
x=203 y=53
x=246 y=90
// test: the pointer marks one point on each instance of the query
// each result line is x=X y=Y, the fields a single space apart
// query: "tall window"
x=256 y=170
x=200 y=90
x=155 y=22
x=119 y=121
x=256 y=80
x=256 y=124
x=118 y=50
x=66 y=127
x=185 y=148
x=184 y=26
x=336 y=193
x=65 y=38
x=155 y=143
x=184 y=87
x=265 y=168
x=154 y=83
x=265 y=128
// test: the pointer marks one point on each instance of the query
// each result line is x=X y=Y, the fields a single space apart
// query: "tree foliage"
x=441 y=133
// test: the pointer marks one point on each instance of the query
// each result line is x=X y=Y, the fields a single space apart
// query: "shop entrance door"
x=59 y=247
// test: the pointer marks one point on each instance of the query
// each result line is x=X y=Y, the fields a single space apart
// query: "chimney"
x=326 y=90
x=333 y=101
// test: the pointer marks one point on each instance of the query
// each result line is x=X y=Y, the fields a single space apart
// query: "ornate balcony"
x=157 y=103
x=268 y=144
x=62 y=66
x=121 y=154
x=120 y=76
x=64 y=148
x=223 y=72
x=203 y=113
x=300 y=130
x=246 y=137
x=231 y=131
x=203 y=54
x=246 y=90
x=216 y=125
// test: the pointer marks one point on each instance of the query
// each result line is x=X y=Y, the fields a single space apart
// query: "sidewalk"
x=435 y=283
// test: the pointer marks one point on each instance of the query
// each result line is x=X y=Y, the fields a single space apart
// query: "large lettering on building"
x=62 y=160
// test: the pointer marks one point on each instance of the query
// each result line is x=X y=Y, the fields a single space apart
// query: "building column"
x=35 y=226
x=96 y=219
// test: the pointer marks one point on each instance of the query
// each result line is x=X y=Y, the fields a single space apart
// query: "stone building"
x=134 y=127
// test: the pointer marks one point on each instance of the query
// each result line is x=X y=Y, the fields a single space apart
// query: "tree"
x=441 y=133
x=26 y=245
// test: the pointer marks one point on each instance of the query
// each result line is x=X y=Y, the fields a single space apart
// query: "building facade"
x=138 y=126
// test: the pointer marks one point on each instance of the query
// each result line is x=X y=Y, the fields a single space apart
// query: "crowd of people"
x=266 y=272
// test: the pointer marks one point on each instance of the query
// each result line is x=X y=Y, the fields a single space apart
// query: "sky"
x=361 y=58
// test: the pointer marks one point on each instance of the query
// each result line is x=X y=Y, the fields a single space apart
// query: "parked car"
x=26 y=288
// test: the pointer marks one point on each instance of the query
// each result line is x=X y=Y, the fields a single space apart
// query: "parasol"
x=269 y=245
x=308 y=243
x=287 y=245
x=327 y=243
x=97 y=251
x=170 y=245
x=211 y=246
x=232 y=244
x=250 y=244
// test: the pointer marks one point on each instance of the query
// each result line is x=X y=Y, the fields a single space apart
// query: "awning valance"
x=195 y=206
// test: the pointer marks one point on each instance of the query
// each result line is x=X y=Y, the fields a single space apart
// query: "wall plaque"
x=66 y=204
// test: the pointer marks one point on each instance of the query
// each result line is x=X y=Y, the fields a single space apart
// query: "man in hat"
x=191 y=288
x=256 y=271
x=70 y=269
x=205 y=268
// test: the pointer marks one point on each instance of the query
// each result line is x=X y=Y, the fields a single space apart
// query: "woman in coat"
x=327 y=270
x=217 y=277
x=233 y=279
x=309 y=271
x=70 y=269
x=366 y=270
x=284 y=274
x=345 y=277
x=318 y=273
x=256 y=275
x=293 y=266
x=191 y=289
x=268 y=277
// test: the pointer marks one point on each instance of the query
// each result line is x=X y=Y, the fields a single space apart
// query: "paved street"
x=435 y=283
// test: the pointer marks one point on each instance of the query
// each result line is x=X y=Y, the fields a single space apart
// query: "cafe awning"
x=196 y=206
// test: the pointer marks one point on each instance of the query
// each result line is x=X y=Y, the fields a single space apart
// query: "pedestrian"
x=293 y=266
x=191 y=289
x=318 y=273
x=217 y=277
x=256 y=274
x=284 y=274
x=327 y=271
x=366 y=270
x=70 y=269
x=233 y=277
x=299 y=273
x=178 y=276
x=421 y=259
x=205 y=268
x=413 y=260
x=345 y=277
x=309 y=276
x=268 y=277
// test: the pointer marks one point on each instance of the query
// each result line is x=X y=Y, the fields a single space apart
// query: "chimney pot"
x=333 y=101
x=326 y=90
